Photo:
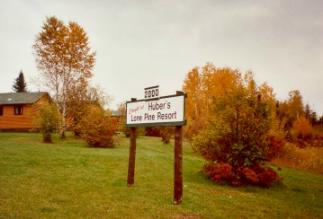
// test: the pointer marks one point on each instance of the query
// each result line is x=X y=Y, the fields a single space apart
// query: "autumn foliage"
x=301 y=129
x=202 y=85
x=97 y=127
x=239 y=126
x=256 y=175
x=307 y=158
x=239 y=132
x=65 y=61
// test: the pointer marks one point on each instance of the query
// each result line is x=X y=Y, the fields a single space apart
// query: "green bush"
x=238 y=135
x=48 y=121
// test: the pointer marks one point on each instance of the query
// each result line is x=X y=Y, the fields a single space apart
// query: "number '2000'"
x=152 y=93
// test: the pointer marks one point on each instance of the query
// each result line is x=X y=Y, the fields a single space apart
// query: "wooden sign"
x=160 y=111
x=168 y=110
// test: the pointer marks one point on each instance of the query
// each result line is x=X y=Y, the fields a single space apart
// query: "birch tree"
x=64 y=59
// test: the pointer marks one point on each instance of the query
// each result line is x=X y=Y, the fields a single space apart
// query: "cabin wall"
x=10 y=121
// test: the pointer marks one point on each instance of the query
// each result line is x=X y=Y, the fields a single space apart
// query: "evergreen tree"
x=20 y=84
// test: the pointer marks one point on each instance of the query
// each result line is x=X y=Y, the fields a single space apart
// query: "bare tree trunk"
x=62 y=131
x=63 y=125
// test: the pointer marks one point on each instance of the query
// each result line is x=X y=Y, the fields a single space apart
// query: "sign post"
x=178 y=160
x=158 y=111
x=132 y=157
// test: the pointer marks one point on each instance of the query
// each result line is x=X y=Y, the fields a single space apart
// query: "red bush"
x=224 y=172
x=267 y=177
x=219 y=171
x=250 y=175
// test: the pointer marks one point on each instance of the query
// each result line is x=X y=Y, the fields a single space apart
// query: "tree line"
x=238 y=125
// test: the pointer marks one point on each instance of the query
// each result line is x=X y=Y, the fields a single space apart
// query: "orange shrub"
x=97 y=128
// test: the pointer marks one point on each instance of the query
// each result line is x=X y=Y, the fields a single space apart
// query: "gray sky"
x=156 y=42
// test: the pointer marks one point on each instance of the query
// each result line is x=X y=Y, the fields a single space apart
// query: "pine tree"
x=20 y=84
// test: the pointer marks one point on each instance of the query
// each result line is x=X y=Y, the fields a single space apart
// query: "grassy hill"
x=70 y=180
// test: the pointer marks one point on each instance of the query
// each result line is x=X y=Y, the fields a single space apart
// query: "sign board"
x=158 y=111
x=167 y=110
x=151 y=92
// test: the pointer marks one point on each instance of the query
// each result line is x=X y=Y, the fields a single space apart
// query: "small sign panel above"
x=151 y=92
x=168 y=110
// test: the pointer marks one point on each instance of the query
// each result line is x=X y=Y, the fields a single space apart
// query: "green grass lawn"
x=67 y=179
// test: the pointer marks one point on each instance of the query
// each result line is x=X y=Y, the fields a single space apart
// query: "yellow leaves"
x=64 y=49
x=202 y=85
x=64 y=58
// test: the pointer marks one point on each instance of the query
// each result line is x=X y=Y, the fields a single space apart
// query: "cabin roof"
x=20 y=98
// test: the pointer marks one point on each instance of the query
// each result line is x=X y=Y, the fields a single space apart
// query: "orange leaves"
x=97 y=128
x=302 y=128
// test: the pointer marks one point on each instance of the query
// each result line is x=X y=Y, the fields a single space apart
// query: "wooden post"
x=132 y=157
x=178 y=160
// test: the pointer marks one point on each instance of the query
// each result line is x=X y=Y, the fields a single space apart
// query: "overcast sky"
x=149 y=42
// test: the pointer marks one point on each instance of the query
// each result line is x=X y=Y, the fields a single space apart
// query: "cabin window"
x=18 y=110
x=1 y=111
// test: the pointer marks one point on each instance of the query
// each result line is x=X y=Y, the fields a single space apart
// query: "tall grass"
x=308 y=158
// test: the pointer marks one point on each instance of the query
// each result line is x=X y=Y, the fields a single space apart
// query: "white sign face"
x=168 y=110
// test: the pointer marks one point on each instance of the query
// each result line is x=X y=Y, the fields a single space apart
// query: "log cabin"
x=18 y=110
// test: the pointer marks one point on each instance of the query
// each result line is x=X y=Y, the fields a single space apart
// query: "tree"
x=122 y=125
x=194 y=106
x=295 y=104
x=302 y=129
x=48 y=121
x=313 y=118
x=202 y=86
x=287 y=112
x=79 y=98
x=307 y=111
x=237 y=139
x=321 y=121
x=64 y=58
x=20 y=83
